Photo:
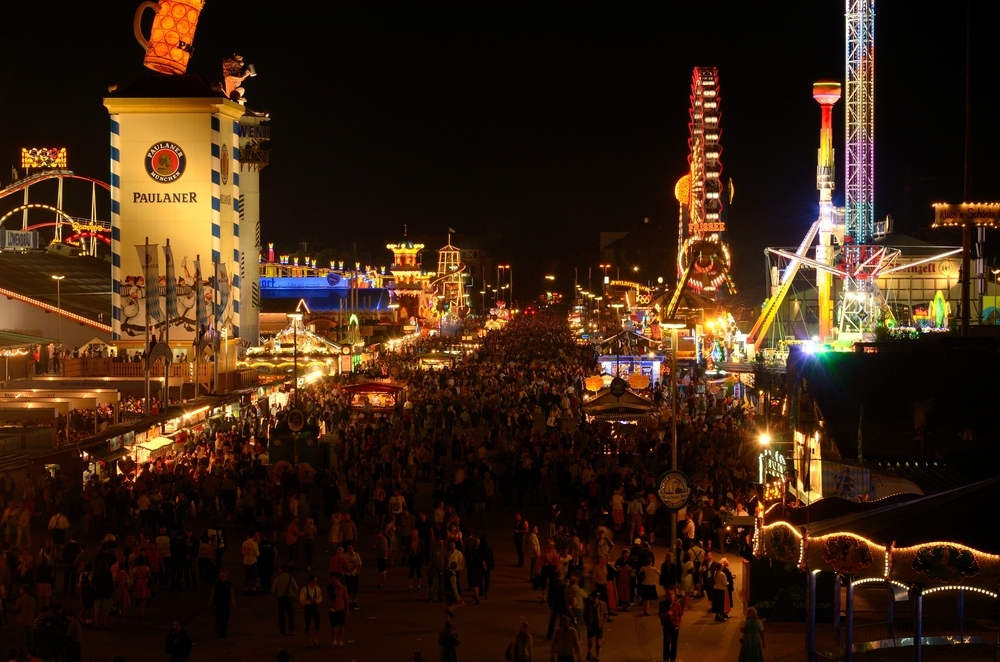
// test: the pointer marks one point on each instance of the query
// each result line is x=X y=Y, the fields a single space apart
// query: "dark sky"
x=533 y=131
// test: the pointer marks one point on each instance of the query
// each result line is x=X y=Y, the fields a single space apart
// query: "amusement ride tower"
x=861 y=260
x=703 y=259
x=827 y=94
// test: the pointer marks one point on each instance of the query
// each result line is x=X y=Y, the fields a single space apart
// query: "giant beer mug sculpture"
x=169 y=46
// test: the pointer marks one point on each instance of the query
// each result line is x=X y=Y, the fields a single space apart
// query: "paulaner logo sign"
x=165 y=162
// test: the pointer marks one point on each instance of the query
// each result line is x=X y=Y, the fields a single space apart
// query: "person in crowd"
x=671 y=613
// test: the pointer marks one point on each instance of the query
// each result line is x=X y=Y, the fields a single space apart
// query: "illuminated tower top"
x=860 y=159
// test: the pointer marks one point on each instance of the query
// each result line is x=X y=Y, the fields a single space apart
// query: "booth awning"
x=155 y=444
x=102 y=452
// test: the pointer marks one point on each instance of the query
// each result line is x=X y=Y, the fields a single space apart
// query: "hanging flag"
x=168 y=260
x=451 y=230
x=224 y=288
x=201 y=311
x=149 y=259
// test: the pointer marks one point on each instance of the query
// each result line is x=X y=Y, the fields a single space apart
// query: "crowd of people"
x=471 y=431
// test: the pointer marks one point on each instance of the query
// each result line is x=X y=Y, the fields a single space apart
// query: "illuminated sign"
x=43 y=157
x=165 y=162
x=144 y=198
x=629 y=284
x=774 y=490
x=771 y=463
x=974 y=213
x=705 y=228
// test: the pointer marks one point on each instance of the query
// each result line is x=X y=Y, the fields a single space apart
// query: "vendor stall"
x=382 y=397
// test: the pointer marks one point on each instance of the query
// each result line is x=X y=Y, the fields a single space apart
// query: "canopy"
x=629 y=407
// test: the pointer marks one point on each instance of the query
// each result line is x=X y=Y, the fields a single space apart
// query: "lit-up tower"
x=450 y=282
x=827 y=94
x=703 y=259
x=410 y=283
x=860 y=300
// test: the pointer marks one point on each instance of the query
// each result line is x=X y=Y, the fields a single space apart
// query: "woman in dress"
x=752 y=648
x=618 y=508
x=649 y=577
x=687 y=580
x=140 y=584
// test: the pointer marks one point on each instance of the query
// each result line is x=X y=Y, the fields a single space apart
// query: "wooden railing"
x=178 y=371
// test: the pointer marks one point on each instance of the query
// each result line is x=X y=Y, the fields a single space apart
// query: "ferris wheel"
x=703 y=259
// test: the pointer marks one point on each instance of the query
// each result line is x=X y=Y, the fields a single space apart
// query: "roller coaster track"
x=21 y=184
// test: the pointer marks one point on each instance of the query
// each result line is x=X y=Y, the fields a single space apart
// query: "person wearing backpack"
x=671 y=612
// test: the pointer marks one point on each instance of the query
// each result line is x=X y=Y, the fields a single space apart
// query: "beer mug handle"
x=137 y=25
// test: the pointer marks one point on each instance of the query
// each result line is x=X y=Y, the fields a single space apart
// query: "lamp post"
x=510 y=280
x=295 y=318
x=673 y=325
x=58 y=280
x=483 y=293
x=604 y=284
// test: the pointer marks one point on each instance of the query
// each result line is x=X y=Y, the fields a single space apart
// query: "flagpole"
x=215 y=336
x=170 y=359
x=198 y=295
x=145 y=408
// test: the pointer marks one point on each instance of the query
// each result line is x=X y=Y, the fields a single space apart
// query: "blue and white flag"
x=149 y=259
x=168 y=259
x=224 y=289
x=201 y=310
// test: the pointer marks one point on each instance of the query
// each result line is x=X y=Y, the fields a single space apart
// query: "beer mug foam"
x=171 y=40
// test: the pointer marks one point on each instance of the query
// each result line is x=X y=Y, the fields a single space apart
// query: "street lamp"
x=674 y=325
x=510 y=279
x=58 y=280
x=295 y=319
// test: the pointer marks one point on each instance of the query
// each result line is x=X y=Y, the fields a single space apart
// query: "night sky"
x=533 y=131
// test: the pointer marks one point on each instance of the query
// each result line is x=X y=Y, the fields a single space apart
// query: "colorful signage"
x=43 y=157
x=971 y=213
x=165 y=162
x=631 y=285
